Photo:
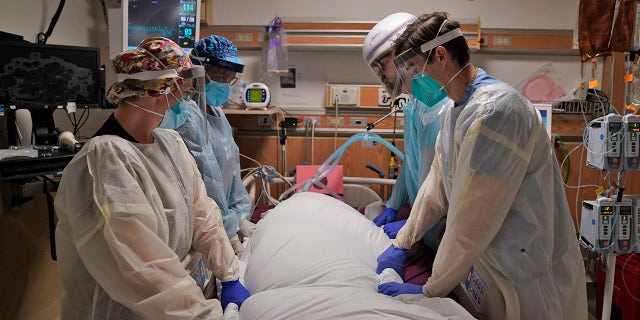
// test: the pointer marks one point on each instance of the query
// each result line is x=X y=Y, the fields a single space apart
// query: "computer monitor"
x=44 y=78
x=546 y=112
x=178 y=20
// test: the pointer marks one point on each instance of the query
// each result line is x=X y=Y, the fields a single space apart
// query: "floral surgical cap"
x=152 y=54
x=217 y=51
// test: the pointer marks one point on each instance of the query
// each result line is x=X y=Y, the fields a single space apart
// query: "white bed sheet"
x=314 y=257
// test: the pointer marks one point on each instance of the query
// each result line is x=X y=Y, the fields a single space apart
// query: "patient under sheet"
x=314 y=257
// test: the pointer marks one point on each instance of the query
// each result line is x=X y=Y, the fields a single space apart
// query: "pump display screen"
x=255 y=95
x=606 y=210
x=625 y=210
x=634 y=126
x=615 y=127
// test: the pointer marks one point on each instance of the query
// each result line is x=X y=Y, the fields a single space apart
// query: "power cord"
x=558 y=143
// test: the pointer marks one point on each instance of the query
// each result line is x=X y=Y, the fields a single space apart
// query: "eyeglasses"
x=225 y=79
x=378 y=65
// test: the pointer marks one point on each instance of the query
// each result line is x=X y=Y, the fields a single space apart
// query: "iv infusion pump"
x=631 y=141
x=605 y=136
x=611 y=226
x=613 y=143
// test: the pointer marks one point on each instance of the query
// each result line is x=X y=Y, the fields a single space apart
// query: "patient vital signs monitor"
x=178 y=20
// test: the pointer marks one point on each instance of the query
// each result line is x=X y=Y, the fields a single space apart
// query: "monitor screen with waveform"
x=177 y=20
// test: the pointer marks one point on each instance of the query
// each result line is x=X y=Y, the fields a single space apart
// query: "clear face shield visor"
x=386 y=73
x=198 y=77
x=196 y=94
x=413 y=62
x=221 y=75
x=408 y=64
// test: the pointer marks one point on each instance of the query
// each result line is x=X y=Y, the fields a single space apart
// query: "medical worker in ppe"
x=131 y=204
x=496 y=178
x=209 y=137
x=421 y=126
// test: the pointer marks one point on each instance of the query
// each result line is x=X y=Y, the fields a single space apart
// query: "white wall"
x=525 y=14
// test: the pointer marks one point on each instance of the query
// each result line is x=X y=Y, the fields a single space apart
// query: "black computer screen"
x=34 y=76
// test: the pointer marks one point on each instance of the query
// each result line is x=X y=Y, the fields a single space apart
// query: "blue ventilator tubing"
x=334 y=159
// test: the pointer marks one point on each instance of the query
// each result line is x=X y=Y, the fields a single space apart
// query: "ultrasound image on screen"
x=35 y=76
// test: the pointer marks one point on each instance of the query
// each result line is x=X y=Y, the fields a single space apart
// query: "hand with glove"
x=231 y=312
x=387 y=215
x=233 y=292
x=394 y=288
x=392 y=229
x=393 y=258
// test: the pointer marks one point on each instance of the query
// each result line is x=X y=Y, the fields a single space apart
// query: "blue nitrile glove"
x=388 y=215
x=392 y=258
x=391 y=229
x=233 y=292
x=394 y=288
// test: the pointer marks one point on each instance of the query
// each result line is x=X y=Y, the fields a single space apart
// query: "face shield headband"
x=152 y=75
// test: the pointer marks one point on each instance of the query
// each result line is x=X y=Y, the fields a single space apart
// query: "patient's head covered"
x=314 y=257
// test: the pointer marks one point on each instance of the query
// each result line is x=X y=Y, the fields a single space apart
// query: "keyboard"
x=48 y=162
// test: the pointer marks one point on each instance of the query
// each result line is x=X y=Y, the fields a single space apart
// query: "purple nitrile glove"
x=393 y=258
x=233 y=292
x=388 y=215
x=394 y=288
x=392 y=229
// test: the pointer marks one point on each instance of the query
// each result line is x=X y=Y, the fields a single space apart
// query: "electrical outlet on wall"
x=308 y=121
x=265 y=121
x=357 y=122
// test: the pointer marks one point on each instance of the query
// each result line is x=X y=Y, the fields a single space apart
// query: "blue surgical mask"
x=216 y=93
x=175 y=116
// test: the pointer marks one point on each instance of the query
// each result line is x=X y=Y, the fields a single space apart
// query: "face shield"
x=196 y=75
x=191 y=109
x=411 y=68
x=386 y=73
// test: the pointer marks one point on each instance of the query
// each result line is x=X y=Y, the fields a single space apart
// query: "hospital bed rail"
x=357 y=191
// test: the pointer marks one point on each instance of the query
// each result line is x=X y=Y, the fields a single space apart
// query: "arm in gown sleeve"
x=490 y=168
x=125 y=248
x=429 y=207
x=399 y=195
x=210 y=238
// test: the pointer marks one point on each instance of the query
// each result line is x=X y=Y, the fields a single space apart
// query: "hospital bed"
x=481 y=294
x=314 y=257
